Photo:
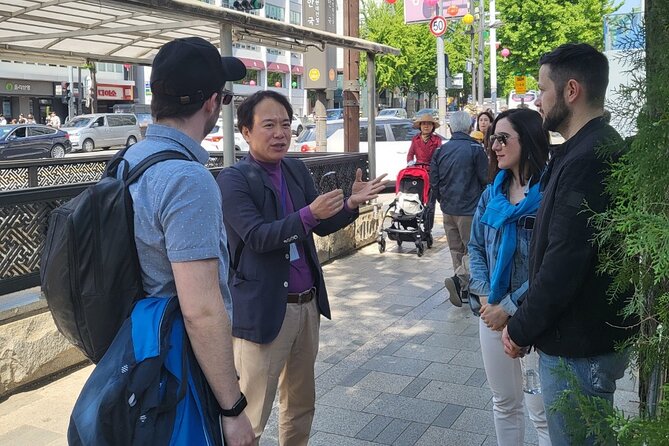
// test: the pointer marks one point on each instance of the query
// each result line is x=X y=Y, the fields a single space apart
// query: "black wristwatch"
x=238 y=407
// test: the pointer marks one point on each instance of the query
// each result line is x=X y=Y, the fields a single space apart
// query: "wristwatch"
x=236 y=409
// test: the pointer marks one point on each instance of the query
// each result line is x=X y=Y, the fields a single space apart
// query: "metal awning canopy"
x=71 y=32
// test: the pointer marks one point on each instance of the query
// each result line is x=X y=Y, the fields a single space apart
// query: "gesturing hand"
x=363 y=191
x=327 y=205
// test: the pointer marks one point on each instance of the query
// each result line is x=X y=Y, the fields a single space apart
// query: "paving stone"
x=392 y=348
x=393 y=364
x=454 y=328
x=454 y=341
x=354 y=377
x=420 y=338
x=411 y=301
x=447 y=373
x=398 y=310
x=327 y=439
x=374 y=428
x=477 y=421
x=415 y=387
x=320 y=367
x=426 y=352
x=456 y=394
x=410 y=409
x=448 y=416
x=472 y=330
x=440 y=436
x=411 y=434
x=340 y=421
x=352 y=398
x=392 y=432
x=478 y=378
x=468 y=358
x=27 y=435
x=339 y=355
x=385 y=382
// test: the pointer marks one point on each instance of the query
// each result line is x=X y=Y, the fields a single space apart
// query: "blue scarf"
x=503 y=216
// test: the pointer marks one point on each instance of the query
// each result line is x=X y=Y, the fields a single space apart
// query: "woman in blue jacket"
x=498 y=252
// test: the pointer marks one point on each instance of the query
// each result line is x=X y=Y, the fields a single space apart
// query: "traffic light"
x=247 y=5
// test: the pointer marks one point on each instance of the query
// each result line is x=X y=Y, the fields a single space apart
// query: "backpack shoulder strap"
x=150 y=160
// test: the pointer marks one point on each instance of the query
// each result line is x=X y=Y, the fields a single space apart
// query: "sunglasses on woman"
x=502 y=138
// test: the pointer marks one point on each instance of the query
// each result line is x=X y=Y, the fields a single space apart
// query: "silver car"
x=102 y=130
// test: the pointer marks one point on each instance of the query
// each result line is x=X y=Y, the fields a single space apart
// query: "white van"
x=102 y=130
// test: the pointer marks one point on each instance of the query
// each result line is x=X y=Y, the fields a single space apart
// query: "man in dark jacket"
x=271 y=211
x=458 y=175
x=568 y=314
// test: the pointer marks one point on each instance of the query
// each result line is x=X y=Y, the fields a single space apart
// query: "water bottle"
x=529 y=366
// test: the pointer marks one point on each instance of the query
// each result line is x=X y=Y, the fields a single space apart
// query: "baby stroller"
x=411 y=214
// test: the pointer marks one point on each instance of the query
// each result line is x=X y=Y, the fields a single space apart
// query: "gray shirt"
x=178 y=212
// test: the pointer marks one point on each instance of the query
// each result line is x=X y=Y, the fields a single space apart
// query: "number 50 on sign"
x=438 y=26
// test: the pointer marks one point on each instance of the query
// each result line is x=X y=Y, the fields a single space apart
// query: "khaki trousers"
x=286 y=363
x=458 y=229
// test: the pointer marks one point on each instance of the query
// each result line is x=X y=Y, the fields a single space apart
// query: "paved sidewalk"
x=398 y=365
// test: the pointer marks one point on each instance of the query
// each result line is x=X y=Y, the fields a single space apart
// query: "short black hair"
x=164 y=107
x=246 y=109
x=583 y=63
x=533 y=143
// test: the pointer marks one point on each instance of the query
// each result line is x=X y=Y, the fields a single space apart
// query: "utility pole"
x=481 y=60
x=472 y=52
x=493 y=56
x=441 y=76
x=352 y=80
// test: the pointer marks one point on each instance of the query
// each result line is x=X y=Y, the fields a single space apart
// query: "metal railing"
x=24 y=212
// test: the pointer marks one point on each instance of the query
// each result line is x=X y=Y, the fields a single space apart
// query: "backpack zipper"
x=74 y=281
x=96 y=242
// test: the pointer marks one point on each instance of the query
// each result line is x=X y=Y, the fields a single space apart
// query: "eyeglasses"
x=226 y=97
x=502 y=138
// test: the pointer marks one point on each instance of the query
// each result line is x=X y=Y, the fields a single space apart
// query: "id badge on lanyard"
x=294 y=253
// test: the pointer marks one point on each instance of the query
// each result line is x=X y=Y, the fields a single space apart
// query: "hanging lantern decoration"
x=431 y=3
x=505 y=53
x=252 y=83
x=467 y=19
x=452 y=10
x=277 y=84
x=391 y=2
x=294 y=84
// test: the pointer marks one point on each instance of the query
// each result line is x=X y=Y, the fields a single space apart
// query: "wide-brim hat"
x=189 y=70
x=425 y=117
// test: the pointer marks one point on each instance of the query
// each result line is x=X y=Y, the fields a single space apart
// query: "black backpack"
x=89 y=268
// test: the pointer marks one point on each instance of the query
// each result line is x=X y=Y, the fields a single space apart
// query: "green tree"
x=534 y=27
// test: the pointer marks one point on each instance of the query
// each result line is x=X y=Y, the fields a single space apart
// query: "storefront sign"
x=321 y=15
x=108 y=92
x=25 y=88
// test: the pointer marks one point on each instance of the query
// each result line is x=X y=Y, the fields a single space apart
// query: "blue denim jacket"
x=483 y=246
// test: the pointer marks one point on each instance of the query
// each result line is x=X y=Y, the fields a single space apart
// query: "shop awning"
x=252 y=64
x=278 y=67
x=297 y=69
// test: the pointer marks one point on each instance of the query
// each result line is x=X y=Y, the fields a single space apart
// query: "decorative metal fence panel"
x=24 y=212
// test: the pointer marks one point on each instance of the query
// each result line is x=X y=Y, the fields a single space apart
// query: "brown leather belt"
x=303 y=297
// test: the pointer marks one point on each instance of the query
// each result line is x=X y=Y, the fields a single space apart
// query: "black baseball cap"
x=190 y=70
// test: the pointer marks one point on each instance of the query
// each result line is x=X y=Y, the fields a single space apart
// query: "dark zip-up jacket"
x=567 y=311
x=458 y=175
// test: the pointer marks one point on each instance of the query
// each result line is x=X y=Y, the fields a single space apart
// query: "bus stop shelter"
x=77 y=32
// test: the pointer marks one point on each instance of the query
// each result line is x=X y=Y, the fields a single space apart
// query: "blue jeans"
x=596 y=376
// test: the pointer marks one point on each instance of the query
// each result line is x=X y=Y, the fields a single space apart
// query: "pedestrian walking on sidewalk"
x=178 y=222
x=425 y=143
x=271 y=210
x=498 y=259
x=458 y=175
x=568 y=313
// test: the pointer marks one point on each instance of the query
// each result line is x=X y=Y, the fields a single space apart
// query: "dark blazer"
x=567 y=311
x=259 y=239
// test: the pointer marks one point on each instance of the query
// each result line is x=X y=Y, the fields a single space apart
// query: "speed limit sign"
x=438 y=26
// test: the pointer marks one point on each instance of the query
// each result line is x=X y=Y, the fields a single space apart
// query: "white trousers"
x=505 y=381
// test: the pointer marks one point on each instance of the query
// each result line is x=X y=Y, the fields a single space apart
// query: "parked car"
x=392 y=113
x=334 y=113
x=28 y=141
x=393 y=139
x=296 y=125
x=102 y=130
x=214 y=140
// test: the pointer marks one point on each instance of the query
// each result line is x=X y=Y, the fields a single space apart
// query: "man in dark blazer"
x=271 y=208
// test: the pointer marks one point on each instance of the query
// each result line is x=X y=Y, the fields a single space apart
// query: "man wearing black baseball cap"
x=179 y=232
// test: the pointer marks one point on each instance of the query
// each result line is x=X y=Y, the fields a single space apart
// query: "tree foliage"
x=534 y=27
